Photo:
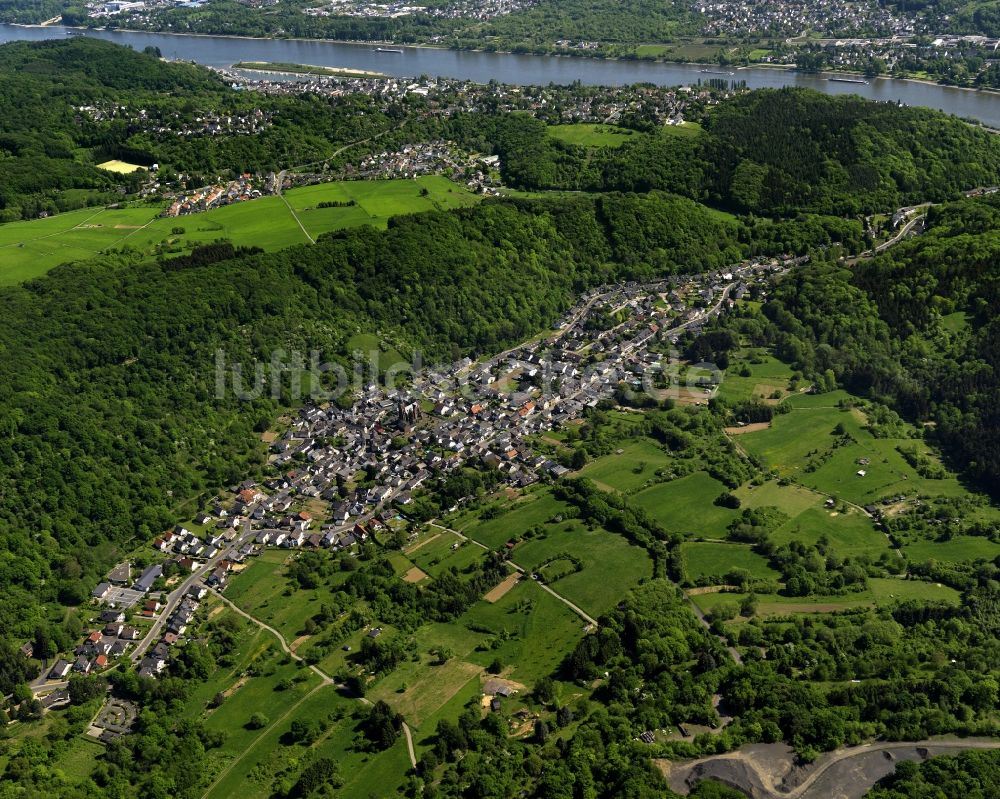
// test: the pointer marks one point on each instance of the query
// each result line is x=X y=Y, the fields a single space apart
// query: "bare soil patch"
x=269 y=436
x=498 y=593
x=298 y=642
x=747 y=428
x=232 y=689
x=414 y=575
x=708 y=589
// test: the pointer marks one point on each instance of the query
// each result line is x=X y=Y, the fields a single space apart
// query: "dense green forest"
x=975 y=775
x=915 y=327
x=782 y=151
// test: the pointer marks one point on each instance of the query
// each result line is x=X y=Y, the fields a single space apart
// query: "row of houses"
x=156 y=659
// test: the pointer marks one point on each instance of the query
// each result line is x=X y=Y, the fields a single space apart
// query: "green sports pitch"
x=30 y=249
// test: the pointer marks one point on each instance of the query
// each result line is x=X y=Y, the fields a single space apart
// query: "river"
x=220 y=51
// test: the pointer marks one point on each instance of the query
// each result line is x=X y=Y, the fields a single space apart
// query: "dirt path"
x=575 y=608
x=415 y=547
x=409 y=745
x=704 y=623
x=747 y=428
x=327 y=680
x=499 y=591
x=257 y=740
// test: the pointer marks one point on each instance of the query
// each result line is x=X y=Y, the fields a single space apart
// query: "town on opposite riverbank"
x=954 y=46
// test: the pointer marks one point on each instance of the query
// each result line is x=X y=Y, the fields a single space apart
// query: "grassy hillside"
x=29 y=249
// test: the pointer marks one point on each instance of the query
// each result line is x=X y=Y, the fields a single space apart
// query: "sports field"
x=29 y=249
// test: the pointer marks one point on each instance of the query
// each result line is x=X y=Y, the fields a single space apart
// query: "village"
x=792 y=17
x=478 y=173
x=461 y=9
x=343 y=474
x=448 y=97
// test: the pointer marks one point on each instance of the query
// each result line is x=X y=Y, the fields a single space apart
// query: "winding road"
x=757 y=775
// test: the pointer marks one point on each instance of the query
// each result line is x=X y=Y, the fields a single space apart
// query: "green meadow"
x=251 y=772
x=445 y=551
x=591 y=135
x=766 y=375
x=532 y=509
x=881 y=591
x=29 y=249
x=714 y=558
x=610 y=565
x=686 y=505
x=960 y=548
x=527 y=629
x=627 y=469
x=803 y=445
x=260 y=589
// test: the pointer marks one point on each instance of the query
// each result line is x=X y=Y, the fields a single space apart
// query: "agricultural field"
x=260 y=591
x=532 y=509
x=591 y=135
x=714 y=558
x=958 y=549
x=628 y=468
x=881 y=591
x=610 y=566
x=686 y=505
x=29 y=249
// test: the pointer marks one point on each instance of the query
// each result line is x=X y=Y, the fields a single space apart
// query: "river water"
x=221 y=51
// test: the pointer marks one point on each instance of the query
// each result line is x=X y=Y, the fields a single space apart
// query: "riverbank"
x=483 y=66
x=569 y=55
x=277 y=68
